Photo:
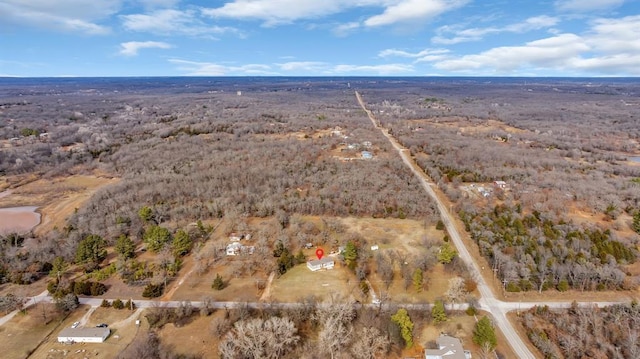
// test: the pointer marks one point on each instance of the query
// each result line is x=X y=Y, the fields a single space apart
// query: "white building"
x=317 y=264
x=449 y=348
x=234 y=248
x=83 y=335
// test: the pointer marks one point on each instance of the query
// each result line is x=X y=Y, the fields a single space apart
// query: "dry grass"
x=299 y=282
x=57 y=198
x=121 y=336
x=194 y=338
x=25 y=331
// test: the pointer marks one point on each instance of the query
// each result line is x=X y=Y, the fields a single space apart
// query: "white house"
x=317 y=264
x=234 y=248
x=83 y=335
x=449 y=348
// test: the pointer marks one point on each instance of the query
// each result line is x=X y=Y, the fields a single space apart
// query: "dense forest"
x=199 y=154
x=561 y=149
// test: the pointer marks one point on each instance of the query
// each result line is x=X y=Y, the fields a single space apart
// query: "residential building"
x=449 y=348
x=318 y=264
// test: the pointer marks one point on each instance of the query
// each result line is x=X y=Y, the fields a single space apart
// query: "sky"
x=566 y=38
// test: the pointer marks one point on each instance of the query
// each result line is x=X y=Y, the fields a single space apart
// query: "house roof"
x=450 y=348
x=316 y=262
x=84 y=332
x=234 y=245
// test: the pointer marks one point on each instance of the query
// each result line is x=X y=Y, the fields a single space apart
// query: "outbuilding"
x=83 y=335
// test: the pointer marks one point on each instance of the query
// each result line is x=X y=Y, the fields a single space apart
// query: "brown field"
x=194 y=338
x=56 y=198
x=123 y=331
x=299 y=282
x=22 y=334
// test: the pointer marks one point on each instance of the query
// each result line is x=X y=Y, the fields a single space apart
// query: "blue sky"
x=319 y=38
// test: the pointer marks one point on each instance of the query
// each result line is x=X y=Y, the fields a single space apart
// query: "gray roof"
x=324 y=260
x=450 y=347
x=84 y=332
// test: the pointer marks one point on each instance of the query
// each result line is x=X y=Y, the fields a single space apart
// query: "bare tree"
x=258 y=338
x=370 y=343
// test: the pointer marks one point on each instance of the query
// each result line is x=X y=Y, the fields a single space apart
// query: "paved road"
x=488 y=301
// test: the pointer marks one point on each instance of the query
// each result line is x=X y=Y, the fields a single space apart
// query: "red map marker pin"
x=319 y=253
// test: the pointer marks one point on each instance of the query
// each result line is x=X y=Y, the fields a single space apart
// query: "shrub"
x=105 y=304
x=218 y=283
x=153 y=290
x=117 y=304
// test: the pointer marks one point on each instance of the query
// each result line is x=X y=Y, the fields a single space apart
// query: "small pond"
x=18 y=219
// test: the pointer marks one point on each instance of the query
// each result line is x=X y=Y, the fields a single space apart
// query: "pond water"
x=634 y=159
x=18 y=219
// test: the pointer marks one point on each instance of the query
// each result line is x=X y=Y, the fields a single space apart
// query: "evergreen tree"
x=181 y=243
x=218 y=283
x=403 y=321
x=156 y=237
x=59 y=266
x=446 y=254
x=636 y=222
x=417 y=280
x=438 y=313
x=91 y=250
x=351 y=255
x=484 y=334
x=146 y=214
x=125 y=247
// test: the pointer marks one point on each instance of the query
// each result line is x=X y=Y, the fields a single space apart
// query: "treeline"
x=530 y=251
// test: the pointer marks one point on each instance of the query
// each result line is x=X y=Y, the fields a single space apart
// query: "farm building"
x=317 y=264
x=83 y=335
x=449 y=348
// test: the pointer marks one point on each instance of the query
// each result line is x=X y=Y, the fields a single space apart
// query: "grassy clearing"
x=20 y=336
x=299 y=282
x=193 y=339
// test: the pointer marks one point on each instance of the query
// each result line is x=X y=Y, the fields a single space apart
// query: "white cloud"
x=402 y=53
x=276 y=12
x=345 y=29
x=587 y=5
x=608 y=47
x=60 y=15
x=413 y=10
x=172 y=22
x=194 y=68
x=553 y=52
x=382 y=70
x=303 y=66
x=475 y=34
x=131 y=48
x=616 y=35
